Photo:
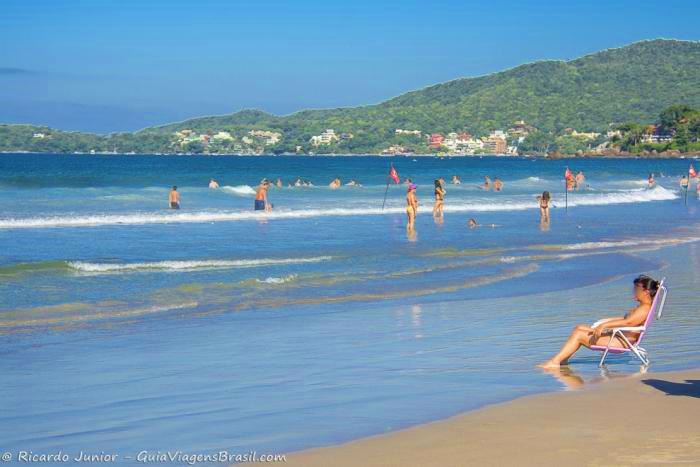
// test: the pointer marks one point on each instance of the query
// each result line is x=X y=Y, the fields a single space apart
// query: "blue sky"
x=113 y=65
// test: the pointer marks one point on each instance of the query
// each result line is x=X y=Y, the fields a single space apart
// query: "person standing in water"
x=544 y=206
x=411 y=207
x=174 y=199
x=439 y=198
x=651 y=180
x=497 y=184
x=683 y=182
x=487 y=183
x=261 y=203
x=278 y=183
x=456 y=180
x=580 y=180
x=213 y=184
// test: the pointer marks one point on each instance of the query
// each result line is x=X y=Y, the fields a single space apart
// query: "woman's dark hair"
x=437 y=183
x=647 y=283
x=545 y=195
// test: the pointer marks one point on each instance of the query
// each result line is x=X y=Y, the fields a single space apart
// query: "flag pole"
x=387 y=186
x=566 y=191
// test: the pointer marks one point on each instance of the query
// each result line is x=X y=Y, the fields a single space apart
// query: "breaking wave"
x=187 y=265
x=240 y=190
x=278 y=280
x=517 y=203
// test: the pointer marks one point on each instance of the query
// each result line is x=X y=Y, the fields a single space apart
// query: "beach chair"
x=657 y=307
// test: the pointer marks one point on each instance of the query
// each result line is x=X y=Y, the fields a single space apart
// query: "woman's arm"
x=604 y=321
x=635 y=317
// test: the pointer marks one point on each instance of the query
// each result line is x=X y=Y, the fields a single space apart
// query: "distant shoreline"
x=388 y=156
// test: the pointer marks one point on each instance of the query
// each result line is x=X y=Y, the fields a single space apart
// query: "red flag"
x=691 y=172
x=394 y=175
x=568 y=175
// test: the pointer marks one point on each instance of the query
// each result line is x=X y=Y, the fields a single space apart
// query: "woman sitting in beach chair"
x=645 y=289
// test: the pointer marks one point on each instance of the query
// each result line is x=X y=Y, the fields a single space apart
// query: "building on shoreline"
x=269 y=137
x=435 y=141
x=400 y=131
x=223 y=136
x=496 y=143
x=327 y=137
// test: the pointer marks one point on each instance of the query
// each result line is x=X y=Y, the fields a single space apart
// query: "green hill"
x=632 y=83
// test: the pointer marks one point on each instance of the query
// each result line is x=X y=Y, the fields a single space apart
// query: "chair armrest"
x=628 y=328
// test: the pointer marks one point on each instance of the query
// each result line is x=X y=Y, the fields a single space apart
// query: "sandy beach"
x=649 y=419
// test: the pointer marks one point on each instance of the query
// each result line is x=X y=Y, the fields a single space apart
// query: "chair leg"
x=640 y=355
x=602 y=359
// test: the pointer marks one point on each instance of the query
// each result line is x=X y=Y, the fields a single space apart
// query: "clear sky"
x=110 y=65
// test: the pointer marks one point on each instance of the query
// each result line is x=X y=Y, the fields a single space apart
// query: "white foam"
x=240 y=190
x=642 y=243
x=658 y=193
x=278 y=280
x=188 y=265
x=642 y=183
x=519 y=203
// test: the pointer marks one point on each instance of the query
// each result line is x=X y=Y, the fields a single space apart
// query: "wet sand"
x=650 y=419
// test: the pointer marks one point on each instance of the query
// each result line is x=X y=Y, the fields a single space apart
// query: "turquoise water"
x=126 y=327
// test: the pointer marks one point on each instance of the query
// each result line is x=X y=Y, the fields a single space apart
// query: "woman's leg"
x=581 y=335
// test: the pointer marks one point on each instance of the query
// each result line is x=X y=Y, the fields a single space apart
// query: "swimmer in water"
x=335 y=183
x=497 y=184
x=472 y=223
x=213 y=184
x=278 y=183
x=456 y=180
x=487 y=183
x=174 y=198
x=651 y=182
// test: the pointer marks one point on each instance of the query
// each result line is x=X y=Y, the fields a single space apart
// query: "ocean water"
x=127 y=327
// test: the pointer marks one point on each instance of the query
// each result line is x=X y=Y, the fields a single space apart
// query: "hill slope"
x=632 y=83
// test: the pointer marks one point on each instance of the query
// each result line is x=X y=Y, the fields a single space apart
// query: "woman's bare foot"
x=550 y=364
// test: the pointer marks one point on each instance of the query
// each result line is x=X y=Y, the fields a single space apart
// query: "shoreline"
x=643 y=418
x=391 y=156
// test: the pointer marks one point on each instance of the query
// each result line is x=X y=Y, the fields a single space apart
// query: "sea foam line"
x=188 y=265
x=481 y=205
